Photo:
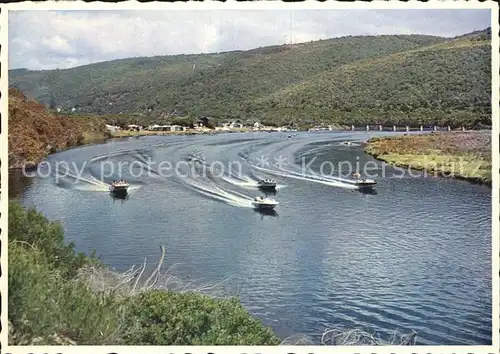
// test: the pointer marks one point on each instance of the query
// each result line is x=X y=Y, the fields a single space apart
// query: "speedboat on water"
x=196 y=156
x=119 y=187
x=267 y=183
x=243 y=155
x=363 y=182
x=366 y=183
x=264 y=203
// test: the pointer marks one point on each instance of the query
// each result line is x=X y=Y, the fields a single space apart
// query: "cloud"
x=62 y=39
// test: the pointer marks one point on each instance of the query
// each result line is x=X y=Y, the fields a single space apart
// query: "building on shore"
x=171 y=128
x=134 y=127
x=112 y=128
x=230 y=125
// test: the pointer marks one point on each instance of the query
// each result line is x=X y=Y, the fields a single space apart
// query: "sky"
x=63 y=39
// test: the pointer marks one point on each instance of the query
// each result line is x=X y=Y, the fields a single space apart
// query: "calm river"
x=414 y=255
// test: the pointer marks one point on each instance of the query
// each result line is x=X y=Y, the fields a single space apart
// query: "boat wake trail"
x=78 y=180
x=205 y=184
x=247 y=182
x=143 y=163
x=291 y=153
x=330 y=181
x=84 y=178
x=214 y=192
x=85 y=182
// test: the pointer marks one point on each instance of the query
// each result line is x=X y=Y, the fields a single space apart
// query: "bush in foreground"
x=164 y=318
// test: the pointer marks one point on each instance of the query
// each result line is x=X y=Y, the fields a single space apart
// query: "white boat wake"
x=208 y=188
x=85 y=182
x=342 y=183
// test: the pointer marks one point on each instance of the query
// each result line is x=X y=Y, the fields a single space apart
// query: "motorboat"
x=119 y=187
x=267 y=183
x=363 y=182
x=243 y=155
x=347 y=143
x=264 y=203
x=196 y=156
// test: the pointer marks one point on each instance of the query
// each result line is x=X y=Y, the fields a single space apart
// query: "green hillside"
x=403 y=78
x=447 y=84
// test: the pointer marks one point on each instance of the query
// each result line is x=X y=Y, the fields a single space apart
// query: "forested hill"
x=35 y=131
x=366 y=79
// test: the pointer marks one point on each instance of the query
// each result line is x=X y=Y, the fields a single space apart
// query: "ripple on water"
x=414 y=256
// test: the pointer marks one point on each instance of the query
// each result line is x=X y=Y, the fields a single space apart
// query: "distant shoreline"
x=459 y=155
x=132 y=133
x=102 y=138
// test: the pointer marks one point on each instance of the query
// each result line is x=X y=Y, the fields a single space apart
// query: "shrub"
x=43 y=304
x=168 y=318
x=33 y=228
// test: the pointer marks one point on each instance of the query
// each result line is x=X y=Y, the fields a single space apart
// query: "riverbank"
x=35 y=132
x=461 y=155
x=133 y=133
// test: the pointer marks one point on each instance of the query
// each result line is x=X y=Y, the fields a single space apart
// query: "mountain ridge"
x=245 y=84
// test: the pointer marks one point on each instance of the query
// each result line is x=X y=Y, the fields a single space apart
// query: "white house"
x=229 y=126
x=158 y=127
x=177 y=128
x=171 y=128
x=112 y=128
x=256 y=126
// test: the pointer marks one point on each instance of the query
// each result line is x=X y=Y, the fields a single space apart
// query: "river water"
x=414 y=255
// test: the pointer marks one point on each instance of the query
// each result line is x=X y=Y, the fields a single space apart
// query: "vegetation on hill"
x=34 y=131
x=444 y=84
x=460 y=155
x=399 y=79
x=53 y=299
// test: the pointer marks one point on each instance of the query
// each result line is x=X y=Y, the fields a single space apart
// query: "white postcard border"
x=262 y=5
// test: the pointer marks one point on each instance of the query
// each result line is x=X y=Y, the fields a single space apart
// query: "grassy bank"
x=54 y=298
x=464 y=155
x=35 y=132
